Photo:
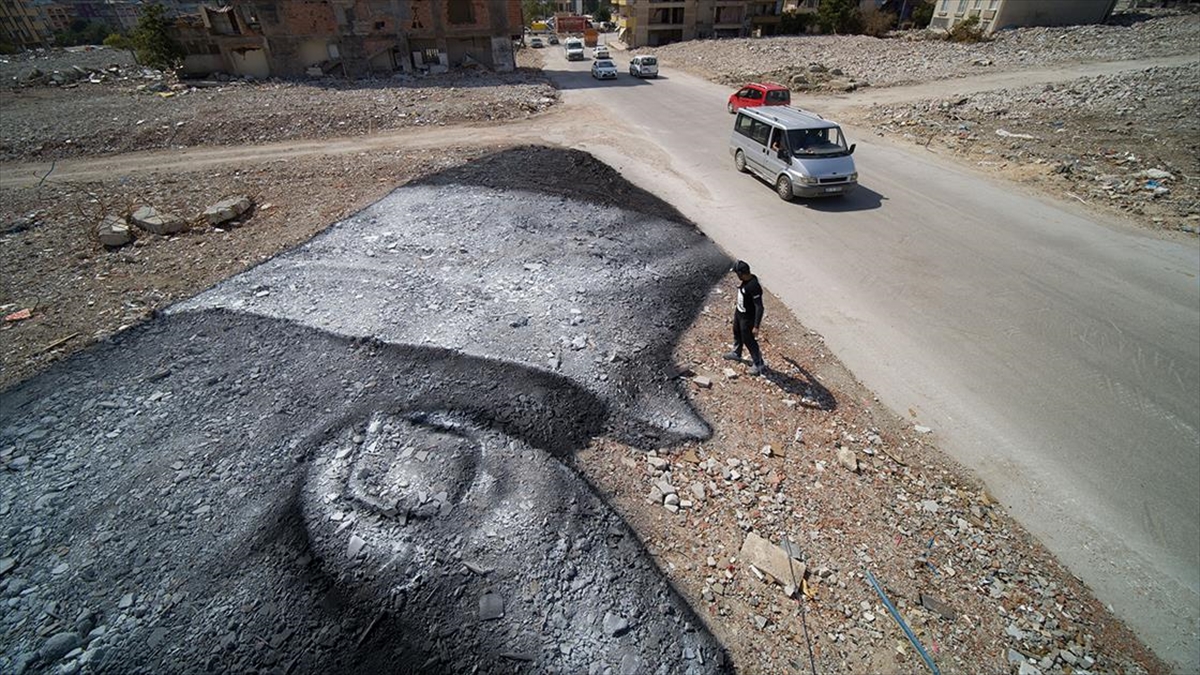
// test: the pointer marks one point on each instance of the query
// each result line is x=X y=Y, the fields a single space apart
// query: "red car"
x=759 y=93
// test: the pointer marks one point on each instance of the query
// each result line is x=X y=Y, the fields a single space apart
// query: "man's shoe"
x=732 y=356
x=758 y=370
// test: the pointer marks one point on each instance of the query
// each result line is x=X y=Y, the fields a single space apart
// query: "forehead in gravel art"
x=351 y=458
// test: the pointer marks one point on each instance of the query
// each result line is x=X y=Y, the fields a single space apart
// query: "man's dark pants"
x=743 y=334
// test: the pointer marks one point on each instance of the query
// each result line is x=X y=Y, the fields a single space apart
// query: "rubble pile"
x=921 y=56
x=123 y=108
x=1113 y=141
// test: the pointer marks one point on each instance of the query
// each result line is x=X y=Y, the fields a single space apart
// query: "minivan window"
x=753 y=94
x=779 y=96
x=649 y=61
x=756 y=130
x=817 y=142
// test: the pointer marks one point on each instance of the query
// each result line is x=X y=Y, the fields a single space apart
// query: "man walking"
x=747 y=317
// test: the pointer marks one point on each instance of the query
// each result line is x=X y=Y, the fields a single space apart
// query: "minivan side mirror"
x=783 y=154
x=852 y=146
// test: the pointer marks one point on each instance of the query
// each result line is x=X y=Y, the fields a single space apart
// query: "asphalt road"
x=1055 y=354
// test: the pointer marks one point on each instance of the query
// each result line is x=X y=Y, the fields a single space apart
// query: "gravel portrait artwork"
x=356 y=457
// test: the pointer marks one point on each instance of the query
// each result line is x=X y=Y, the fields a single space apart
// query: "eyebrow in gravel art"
x=356 y=456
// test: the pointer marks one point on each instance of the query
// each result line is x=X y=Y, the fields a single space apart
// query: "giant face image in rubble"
x=355 y=457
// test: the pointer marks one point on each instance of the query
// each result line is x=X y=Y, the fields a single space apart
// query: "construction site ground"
x=804 y=454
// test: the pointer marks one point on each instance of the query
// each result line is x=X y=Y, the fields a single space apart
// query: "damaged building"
x=350 y=38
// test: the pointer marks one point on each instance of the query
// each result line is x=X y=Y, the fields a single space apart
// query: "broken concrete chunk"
x=770 y=559
x=356 y=546
x=114 y=231
x=152 y=220
x=227 y=209
x=615 y=625
x=702 y=381
x=847 y=459
x=491 y=606
x=937 y=607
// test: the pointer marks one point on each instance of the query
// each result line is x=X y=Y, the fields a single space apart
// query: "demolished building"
x=350 y=38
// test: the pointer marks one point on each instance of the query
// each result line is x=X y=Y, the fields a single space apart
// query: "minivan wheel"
x=739 y=161
x=729 y=107
x=783 y=187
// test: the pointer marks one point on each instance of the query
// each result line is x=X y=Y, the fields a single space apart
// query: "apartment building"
x=995 y=15
x=57 y=15
x=658 y=22
x=22 y=26
x=352 y=38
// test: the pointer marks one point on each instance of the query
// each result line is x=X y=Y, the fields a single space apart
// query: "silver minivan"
x=799 y=152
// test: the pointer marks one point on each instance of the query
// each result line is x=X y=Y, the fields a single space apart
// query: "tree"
x=82 y=32
x=839 y=16
x=537 y=9
x=795 y=23
x=155 y=46
x=118 y=41
x=922 y=14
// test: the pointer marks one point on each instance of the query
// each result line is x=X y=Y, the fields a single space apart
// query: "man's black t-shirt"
x=749 y=301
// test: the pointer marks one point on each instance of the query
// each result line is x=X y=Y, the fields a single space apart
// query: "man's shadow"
x=797 y=381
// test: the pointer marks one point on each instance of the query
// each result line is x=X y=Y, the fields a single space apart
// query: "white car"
x=600 y=52
x=643 y=65
x=604 y=69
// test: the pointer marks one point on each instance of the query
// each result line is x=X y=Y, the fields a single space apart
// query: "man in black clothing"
x=747 y=317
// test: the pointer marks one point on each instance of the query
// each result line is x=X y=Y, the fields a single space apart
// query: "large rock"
x=152 y=220
x=227 y=209
x=771 y=559
x=58 y=645
x=114 y=231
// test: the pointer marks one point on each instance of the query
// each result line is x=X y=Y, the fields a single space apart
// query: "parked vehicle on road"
x=799 y=152
x=536 y=43
x=758 y=94
x=553 y=39
x=601 y=52
x=604 y=69
x=643 y=65
x=574 y=49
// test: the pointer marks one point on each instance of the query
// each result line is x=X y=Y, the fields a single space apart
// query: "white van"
x=574 y=49
x=643 y=65
x=799 y=152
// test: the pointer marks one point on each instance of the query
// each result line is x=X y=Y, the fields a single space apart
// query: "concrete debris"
x=771 y=560
x=113 y=231
x=846 y=458
x=227 y=209
x=491 y=606
x=152 y=220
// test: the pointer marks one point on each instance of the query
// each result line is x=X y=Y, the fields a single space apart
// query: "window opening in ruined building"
x=459 y=11
x=379 y=25
x=430 y=56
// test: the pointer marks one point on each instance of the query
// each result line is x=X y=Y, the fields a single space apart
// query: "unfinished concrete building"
x=351 y=38
x=654 y=23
